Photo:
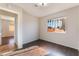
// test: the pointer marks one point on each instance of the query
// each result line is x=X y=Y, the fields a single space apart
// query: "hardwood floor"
x=7 y=44
x=6 y=40
x=53 y=48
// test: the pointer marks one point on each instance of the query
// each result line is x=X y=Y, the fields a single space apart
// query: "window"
x=56 y=25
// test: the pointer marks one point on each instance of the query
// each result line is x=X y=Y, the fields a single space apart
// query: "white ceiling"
x=47 y=10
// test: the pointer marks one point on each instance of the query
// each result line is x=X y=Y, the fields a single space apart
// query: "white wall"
x=71 y=37
x=30 y=28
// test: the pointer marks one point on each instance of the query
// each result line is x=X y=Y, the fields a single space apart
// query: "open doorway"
x=7 y=31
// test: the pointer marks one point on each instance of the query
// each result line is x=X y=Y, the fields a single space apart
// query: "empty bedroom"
x=39 y=29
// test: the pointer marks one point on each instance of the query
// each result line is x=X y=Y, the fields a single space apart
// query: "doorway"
x=7 y=31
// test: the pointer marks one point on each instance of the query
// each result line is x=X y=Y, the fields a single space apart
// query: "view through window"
x=56 y=25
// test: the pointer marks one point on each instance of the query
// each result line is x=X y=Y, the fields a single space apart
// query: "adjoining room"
x=7 y=31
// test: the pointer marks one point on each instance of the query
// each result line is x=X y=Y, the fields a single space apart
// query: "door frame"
x=18 y=29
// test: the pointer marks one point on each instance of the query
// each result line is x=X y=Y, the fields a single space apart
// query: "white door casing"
x=18 y=30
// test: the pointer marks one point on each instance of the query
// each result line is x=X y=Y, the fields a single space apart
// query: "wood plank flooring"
x=6 y=40
x=53 y=49
x=7 y=44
